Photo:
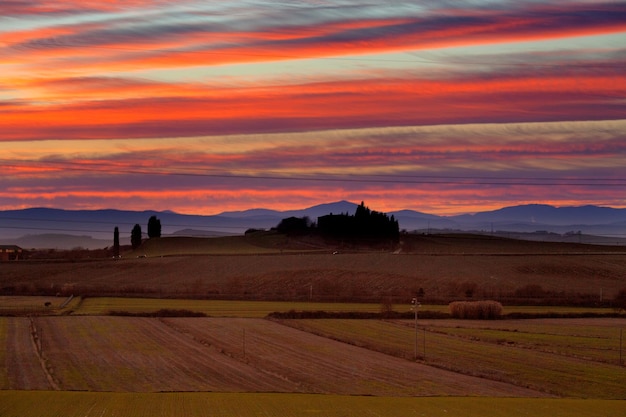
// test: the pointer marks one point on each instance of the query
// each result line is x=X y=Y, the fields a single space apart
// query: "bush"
x=476 y=310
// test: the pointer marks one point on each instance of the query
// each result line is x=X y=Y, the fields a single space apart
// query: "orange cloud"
x=191 y=110
x=191 y=45
x=81 y=83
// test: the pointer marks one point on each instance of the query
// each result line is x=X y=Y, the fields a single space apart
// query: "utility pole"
x=310 y=290
x=414 y=306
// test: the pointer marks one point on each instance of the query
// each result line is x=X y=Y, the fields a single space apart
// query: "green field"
x=213 y=308
x=234 y=308
x=87 y=404
x=229 y=308
x=570 y=359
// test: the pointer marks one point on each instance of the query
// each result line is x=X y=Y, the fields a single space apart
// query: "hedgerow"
x=165 y=312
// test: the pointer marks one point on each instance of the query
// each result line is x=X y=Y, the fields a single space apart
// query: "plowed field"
x=441 y=266
x=140 y=354
x=206 y=354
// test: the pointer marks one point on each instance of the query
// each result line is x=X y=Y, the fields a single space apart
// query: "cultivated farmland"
x=214 y=308
x=138 y=354
x=445 y=268
x=251 y=365
x=228 y=355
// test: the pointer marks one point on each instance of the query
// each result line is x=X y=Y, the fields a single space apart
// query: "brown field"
x=445 y=267
x=223 y=355
x=24 y=367
x=50 y=348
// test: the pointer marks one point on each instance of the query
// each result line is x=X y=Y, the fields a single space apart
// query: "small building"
x=10 y=252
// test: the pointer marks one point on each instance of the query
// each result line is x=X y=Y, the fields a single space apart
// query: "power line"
x=197 y=228
x=97 y=222
x=350 y=178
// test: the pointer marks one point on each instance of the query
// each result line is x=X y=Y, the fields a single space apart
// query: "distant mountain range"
x=67 y=229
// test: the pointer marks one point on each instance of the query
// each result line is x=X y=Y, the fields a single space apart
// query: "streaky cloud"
x=444 y=106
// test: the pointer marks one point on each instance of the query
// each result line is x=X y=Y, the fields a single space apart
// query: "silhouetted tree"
x=294 y=225
x=135 y=236
x=154 y=227
x=116 y=242
x=365 y=223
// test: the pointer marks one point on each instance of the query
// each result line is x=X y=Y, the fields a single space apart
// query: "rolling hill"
x=33 y=227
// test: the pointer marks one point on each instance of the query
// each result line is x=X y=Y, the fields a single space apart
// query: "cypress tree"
x=116 y=242
x=135 y=236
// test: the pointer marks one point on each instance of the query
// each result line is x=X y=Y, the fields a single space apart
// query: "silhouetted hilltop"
x=99 y=224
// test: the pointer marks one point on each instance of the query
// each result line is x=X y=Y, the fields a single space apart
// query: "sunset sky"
x=201 y=107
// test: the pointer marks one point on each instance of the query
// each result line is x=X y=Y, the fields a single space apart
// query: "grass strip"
x=87 y=404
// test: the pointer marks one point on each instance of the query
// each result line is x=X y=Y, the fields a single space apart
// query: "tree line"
x=136 y=234
x=363 y=224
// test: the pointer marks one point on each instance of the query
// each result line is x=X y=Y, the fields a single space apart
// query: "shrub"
x=476 y=310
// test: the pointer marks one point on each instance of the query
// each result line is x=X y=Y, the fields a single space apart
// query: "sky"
x=202 y=107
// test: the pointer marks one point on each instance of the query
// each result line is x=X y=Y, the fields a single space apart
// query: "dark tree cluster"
x=295 y=225
x=154 y=227
x=136 y=235
x=365 y=223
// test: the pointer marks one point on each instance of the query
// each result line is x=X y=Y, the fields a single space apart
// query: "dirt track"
x=142 y=355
